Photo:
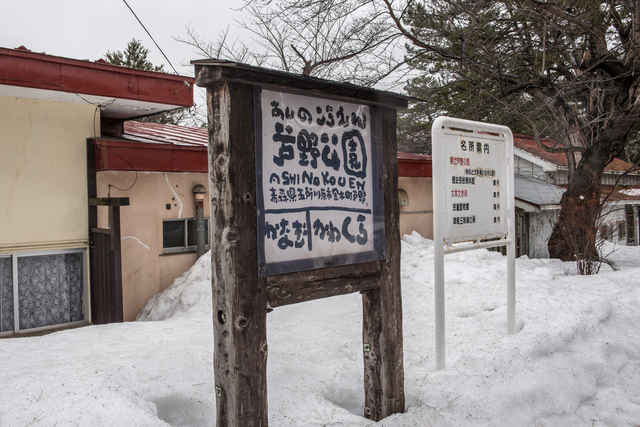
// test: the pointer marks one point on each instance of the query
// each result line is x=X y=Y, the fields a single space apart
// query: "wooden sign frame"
x=242 y=298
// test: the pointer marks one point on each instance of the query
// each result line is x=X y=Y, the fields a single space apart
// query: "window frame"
x=86 y=306
x=186 y=248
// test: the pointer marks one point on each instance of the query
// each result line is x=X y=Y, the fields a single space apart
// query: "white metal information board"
x=474 y=197
x=473 y=202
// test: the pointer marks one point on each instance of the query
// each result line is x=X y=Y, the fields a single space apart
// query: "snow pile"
x=575 y=360
x=631 y=192
x=188 y=295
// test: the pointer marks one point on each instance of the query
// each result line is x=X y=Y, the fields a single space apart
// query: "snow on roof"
x=622 y=194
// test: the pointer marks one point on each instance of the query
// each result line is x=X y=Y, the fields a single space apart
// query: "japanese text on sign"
x=316 y=178
x=473 y=169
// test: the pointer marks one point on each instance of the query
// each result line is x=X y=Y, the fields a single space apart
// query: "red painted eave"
x=40 y=71
x=112 y=155
x=414 y=165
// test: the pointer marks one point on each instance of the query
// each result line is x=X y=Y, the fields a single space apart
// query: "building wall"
x=613 y=226
x=526 y=168
x=540 y=228
x=614 y=179
x=145 y=269
x=418 y=215
x=43 y=195
x=558 y=177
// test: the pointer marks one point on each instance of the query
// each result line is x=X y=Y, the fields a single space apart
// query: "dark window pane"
x=173 y=234
x=192 y=233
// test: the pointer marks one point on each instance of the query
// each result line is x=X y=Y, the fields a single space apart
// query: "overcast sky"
x=87 y=29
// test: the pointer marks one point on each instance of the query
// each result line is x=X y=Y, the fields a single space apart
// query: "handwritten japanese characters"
x=315 y=181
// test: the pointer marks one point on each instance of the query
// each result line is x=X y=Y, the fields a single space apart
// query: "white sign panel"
x=473 y=202
x=319 y=200
x=474 y=167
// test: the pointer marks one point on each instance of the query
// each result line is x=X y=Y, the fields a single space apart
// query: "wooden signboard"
x=272 y=248
x=318 y=166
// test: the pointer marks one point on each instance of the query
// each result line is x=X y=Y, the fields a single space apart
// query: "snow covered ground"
x=575 y=360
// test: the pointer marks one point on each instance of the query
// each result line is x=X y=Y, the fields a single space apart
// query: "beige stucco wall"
x=413 y=217
x=43 y=195
x=145 y=270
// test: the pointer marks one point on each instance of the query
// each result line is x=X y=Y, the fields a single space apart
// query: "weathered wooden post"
x=304 y=205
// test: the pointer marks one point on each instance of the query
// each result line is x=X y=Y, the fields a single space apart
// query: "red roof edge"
x=528 y=144
x=41 y=71
x=149 y=157
x=414 y=165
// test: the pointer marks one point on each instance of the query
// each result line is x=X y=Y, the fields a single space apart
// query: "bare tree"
x=339 y=40
x=568 y=70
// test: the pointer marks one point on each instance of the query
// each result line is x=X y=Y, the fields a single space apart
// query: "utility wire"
x=154 y=42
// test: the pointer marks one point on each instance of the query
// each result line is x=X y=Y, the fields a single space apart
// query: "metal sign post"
x=473 y=203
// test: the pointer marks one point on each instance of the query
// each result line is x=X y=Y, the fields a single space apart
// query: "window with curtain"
x=50 y=290
x=6 y=295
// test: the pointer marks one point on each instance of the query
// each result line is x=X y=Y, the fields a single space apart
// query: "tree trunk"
x=574 y=234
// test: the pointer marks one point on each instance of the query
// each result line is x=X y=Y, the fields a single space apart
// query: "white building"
x=541 y=179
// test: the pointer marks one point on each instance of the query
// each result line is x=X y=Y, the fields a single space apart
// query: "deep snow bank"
x=188 y=295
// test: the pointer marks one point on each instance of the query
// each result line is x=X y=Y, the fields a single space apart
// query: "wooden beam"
x=382 y=309
x=390 y=291
x=209 y=72
x=371 y=268
x=371 y=334
x=108 y=201
x=292 y=292
x=239 y=295
x=284 y=289
x=116 y=254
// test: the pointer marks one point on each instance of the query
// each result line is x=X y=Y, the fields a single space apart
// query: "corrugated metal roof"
x=165 y=134
x=536 y=191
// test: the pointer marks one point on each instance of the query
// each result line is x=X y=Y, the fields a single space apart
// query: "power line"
x=154 y=42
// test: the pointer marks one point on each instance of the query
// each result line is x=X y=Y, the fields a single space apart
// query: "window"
x=622 y=230
x=39 y=290
x=6 y=295
x=179 y=235
x=606 y=232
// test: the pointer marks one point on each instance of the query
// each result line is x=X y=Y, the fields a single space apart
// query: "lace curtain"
x=6 y=295
x=50 y=289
